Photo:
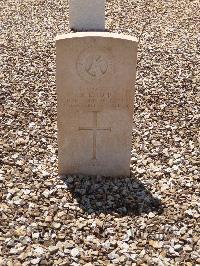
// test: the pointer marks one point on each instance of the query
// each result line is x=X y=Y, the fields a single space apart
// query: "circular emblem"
x=94 y=64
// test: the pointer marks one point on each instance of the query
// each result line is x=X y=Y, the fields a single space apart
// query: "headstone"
x=87 y=15
x=95 y=86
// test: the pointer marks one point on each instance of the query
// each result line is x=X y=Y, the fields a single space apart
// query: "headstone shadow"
x=118 y=196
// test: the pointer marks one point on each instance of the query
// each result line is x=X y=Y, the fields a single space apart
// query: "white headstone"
x=87 y=15
x=95 y=86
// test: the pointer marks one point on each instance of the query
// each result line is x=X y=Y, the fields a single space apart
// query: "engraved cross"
x=95 y=130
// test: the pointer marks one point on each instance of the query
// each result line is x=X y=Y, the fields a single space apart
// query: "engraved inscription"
x=94 y=64
x=94 y=130
x=94 y=99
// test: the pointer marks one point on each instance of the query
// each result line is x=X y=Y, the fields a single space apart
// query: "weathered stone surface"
x=95 y=85
x=87 y=15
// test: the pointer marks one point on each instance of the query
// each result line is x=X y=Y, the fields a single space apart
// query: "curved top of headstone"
x=96 y=34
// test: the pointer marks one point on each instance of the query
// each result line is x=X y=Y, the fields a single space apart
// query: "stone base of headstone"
x=95 y=87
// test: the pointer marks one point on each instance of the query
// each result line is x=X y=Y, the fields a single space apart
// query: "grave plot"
x=149 y=218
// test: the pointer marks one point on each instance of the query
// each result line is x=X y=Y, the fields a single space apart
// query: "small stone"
x=124 y=246
x=61 y=236
x=20 y=232
x=189 y=213
x=177 y=247
x=112 y=255
x=106 y=245
x=56 y=225
x=187 y=248
x=66 y=262
x=155 y=244
x=39 y=250
x=142 y=253
x=68 y=244
x=53 y=249
x=14 y=251
x=99 y=223
x=35 y=235
x=198 y=260
x=75 y=252
x=2 y=178
x=48 y=219
x=44 y=262
x=151 y=215
x=46 y=193
x=35 y=261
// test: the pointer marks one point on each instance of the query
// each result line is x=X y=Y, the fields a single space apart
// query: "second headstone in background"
x=87 y=15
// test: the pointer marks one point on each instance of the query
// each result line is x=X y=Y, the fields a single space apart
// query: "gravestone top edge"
x=96 y=34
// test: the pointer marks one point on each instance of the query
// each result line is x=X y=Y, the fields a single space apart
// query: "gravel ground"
x=151 y=218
